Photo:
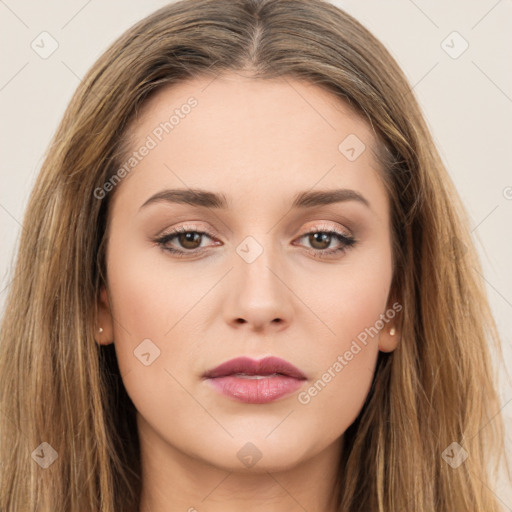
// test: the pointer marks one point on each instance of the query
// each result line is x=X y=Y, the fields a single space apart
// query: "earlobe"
x=104 y=332
x=389 y=339
x=390 y=335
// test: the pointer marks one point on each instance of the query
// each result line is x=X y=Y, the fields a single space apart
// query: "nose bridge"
x=258 y=262
x=259 y=295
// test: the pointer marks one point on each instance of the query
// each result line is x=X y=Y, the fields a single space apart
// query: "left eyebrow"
x=324 y=197
x=204 y=198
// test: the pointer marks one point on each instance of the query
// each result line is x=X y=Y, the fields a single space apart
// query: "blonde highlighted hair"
x=59 y=386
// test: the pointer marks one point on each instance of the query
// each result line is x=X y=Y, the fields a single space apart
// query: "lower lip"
x=256 y=391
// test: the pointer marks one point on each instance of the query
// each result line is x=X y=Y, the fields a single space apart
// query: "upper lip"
x=248 y=366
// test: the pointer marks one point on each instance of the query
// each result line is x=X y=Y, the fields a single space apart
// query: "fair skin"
x=259 y=143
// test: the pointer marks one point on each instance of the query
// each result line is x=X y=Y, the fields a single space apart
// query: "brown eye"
x=189 y=240
x=320 y=240
x=319 y=243
x=184 y=242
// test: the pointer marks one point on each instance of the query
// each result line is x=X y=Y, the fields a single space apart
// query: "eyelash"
x=347 y=242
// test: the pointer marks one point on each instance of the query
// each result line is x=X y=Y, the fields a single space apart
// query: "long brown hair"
x=59 y=387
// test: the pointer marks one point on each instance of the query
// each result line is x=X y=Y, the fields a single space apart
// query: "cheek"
x=351 y=299
x=345 y=363
x=147 y=303
x=353 y=306
x=150 y=297
x=151 y=332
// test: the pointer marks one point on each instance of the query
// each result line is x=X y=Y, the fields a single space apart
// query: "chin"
x=255 y=453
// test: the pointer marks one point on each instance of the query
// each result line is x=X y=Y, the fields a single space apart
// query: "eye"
x=189 y=241
x=320 y=241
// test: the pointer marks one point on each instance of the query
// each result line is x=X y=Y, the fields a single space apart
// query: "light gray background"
x=467 y=102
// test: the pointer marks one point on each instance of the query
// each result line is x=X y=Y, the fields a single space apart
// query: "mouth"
x=255 y=381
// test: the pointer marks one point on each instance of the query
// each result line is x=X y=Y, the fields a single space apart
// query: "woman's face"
x=286 y=253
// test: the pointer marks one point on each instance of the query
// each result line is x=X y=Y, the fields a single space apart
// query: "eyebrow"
x=309 y=199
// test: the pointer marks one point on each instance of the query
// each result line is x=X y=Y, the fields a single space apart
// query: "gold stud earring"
x=100 y=330
x=392 y=331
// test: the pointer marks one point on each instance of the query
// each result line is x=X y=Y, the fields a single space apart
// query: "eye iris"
x=189 y=237
x=323 y=238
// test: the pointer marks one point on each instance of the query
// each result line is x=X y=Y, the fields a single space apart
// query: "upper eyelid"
x=322 y=227
x=347 y=240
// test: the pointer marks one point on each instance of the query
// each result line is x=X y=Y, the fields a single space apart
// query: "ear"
x=390 y=334
x=388 y=341
x=106 y=337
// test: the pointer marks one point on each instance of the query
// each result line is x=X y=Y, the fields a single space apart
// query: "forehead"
x=237 y=106
x=245 y=136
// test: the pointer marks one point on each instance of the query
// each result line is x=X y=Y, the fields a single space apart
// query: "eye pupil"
x=323 y=238
x=189 y=237
x=189 y=242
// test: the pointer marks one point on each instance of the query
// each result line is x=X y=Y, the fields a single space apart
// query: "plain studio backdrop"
x=457 y=57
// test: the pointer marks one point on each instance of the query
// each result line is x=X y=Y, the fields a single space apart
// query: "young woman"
x=245 y=279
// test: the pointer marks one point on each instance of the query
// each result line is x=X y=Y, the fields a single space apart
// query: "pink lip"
x=280 y=378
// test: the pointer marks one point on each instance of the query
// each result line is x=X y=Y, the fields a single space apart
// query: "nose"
x=259 y=296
